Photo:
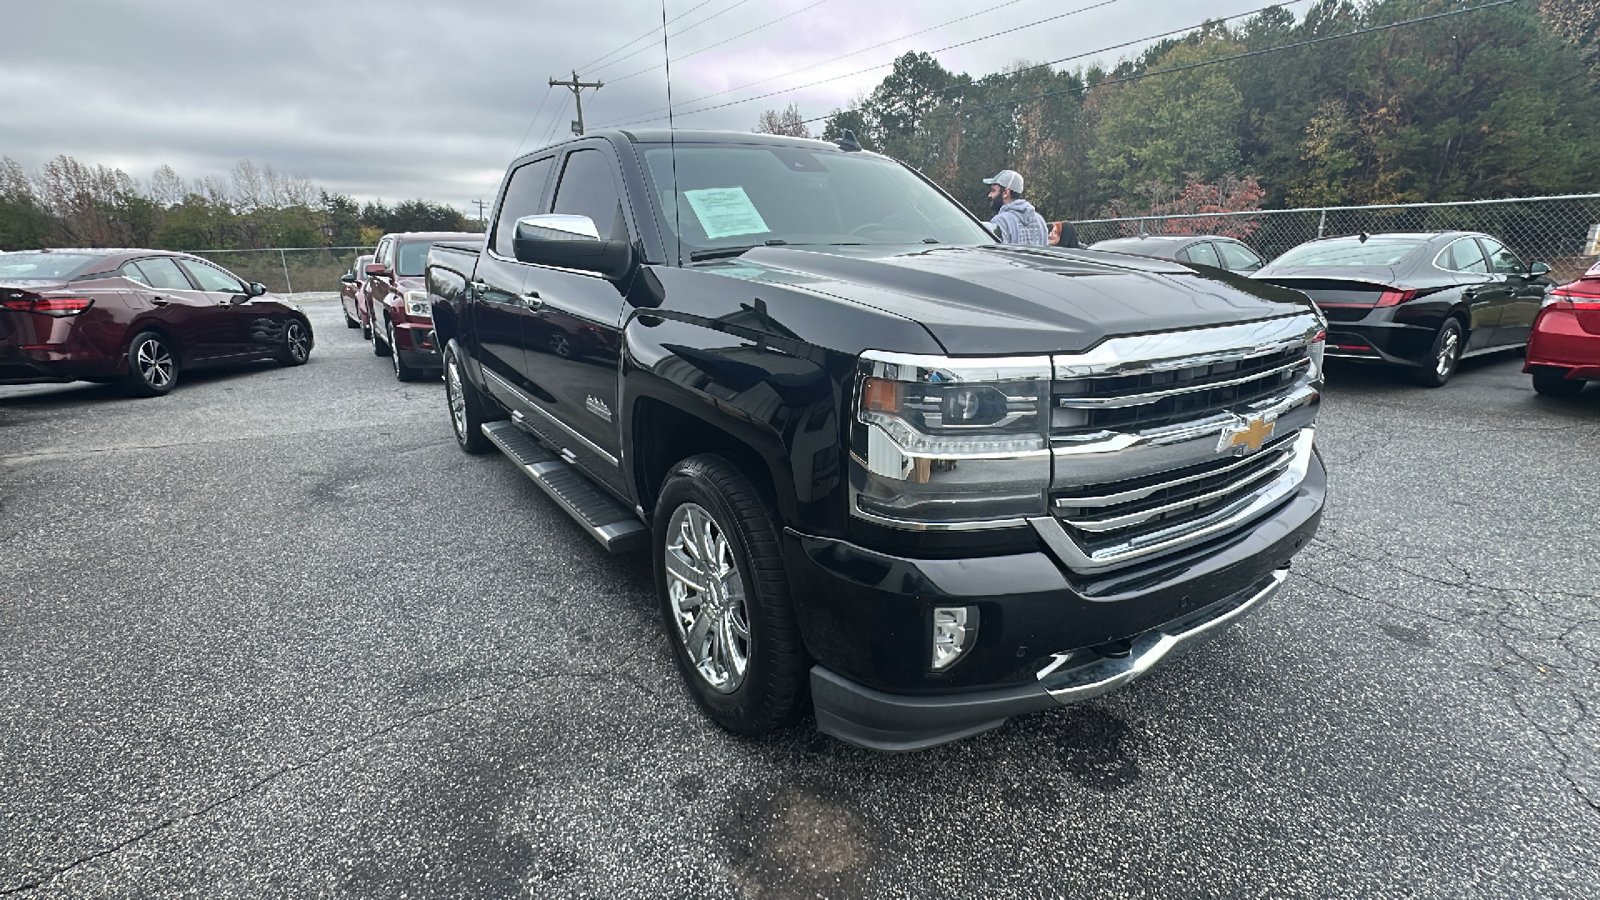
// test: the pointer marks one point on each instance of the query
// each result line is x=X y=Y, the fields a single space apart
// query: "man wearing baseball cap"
x=1019 y=223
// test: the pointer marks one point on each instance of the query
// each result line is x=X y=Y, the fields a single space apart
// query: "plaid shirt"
x=1021 y=224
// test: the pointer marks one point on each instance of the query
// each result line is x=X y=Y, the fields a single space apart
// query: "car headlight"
x=950 y=443
x=418 y=305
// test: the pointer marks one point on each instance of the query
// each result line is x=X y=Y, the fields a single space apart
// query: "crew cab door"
x=498 y=302
x=573 y=333
x=1520 y=296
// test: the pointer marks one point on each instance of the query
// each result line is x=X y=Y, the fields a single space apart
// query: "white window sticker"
x=725 y=212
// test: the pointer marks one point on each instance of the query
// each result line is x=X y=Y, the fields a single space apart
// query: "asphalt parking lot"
x=274 y=635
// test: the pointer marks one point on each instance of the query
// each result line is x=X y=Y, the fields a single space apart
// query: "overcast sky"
x=423 y=98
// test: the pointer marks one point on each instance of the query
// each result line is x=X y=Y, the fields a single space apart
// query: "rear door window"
x=1203 y=254
x=522 y=197
x=162 y=273
x=1463 y=256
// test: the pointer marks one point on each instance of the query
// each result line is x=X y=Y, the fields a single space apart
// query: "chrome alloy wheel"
x=297 y=341
x=388 y=329
x=706 y=590
x=453 y=392
x=1449 y=348
x=154 y=363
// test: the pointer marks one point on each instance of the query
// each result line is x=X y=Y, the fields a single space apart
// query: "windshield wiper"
x=723 y=252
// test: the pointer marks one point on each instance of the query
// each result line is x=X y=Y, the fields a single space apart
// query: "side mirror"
x=1538 y=270
x=376 y=270
x=255 y=289
x=571 y=242
x=348 y=278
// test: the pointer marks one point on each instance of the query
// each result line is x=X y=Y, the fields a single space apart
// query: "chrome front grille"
x=1152 y=398
x=1162 y=441
x=1126 y=512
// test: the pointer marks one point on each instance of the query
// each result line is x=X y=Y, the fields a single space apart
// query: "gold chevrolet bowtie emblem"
x=1247 y=435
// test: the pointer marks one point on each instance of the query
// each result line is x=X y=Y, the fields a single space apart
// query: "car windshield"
x=743 y=196
x=43 y=265
x=412 y=259
x=1351 y=252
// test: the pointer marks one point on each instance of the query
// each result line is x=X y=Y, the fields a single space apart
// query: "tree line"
x=67 y=203
x=1498 y=102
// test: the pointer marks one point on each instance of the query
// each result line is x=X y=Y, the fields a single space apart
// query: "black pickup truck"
x=887 y=467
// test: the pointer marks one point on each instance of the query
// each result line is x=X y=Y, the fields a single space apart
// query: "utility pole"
x=480 y=205
x=577 y=87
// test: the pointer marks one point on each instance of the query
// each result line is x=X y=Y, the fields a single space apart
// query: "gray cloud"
x=418 y=98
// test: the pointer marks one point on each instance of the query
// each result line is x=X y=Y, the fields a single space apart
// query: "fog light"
x=954 y=628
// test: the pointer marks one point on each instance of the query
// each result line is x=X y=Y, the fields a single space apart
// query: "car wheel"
x=1445 y=355
x=402 y=372
x=468 y=408
x=1555 y=383
x=379 y=348
x=725 y=597
x=560 y=346
x=296 y=343
x=152 y=366
x=350 y=323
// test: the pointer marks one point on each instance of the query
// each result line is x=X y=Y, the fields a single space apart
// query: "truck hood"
x=996 y=299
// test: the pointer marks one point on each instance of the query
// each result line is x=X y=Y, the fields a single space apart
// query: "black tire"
x=1555 y=383
x=402 y=372
x=1445 y=355
x=379 y=348
x=152 y=365
x=467 y=419
x=772 y=689
x=350 y=323
x=296 y=347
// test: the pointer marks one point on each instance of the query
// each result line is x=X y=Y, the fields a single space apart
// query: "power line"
x=823 y=63
x=641 y=37
x=888 y=64
x=561 y=110
x=542 y=101
x=725 y=41
x=1211 y=62
x=679 y=33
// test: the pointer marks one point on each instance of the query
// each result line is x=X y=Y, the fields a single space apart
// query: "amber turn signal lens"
x=880 y=395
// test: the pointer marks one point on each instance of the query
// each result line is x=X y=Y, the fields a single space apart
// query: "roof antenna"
x=849 y=143
x=672 y=137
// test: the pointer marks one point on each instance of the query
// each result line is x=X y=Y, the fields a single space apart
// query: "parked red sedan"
x=1564 y=348
x=351 y=284
x=136 y=317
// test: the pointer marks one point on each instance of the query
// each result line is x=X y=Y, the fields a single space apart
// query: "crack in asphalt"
x=1502 y=631
x=291 y=769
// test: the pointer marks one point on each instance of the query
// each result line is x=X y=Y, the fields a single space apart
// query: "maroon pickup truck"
x=394 y=303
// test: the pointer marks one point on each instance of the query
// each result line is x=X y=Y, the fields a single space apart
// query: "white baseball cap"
x=1007 y=179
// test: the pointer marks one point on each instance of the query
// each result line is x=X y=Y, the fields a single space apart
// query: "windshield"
x=743 y=196
x=413 y=259
x=1350 y=252
x=43 y=265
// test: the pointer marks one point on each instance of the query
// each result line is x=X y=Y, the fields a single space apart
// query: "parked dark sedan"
x=1423 y=301
x=1205 y=249
x=137 y=317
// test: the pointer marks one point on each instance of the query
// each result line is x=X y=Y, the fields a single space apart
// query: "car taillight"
x=49 y=306
x=1395 y=298
x=1578 y=295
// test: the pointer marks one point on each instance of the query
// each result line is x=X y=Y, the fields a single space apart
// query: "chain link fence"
x=289 y=270
x=1559 y=231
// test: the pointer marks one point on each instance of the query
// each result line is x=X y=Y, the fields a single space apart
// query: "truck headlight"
x=418 y=305
x=950 y=443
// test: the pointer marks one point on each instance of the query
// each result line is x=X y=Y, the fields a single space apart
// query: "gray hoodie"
x=1021 y=224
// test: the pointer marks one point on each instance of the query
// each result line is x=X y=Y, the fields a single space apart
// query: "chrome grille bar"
x=1277 y=463
x=1154 y=396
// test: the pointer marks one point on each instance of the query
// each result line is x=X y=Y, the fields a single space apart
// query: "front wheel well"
x=664 y=436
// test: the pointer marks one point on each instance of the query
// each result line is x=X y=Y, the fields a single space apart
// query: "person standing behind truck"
x=1018 y=221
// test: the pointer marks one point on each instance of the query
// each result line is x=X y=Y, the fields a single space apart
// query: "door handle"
x=160 y=301
x=481 y=288
x=532 y=300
